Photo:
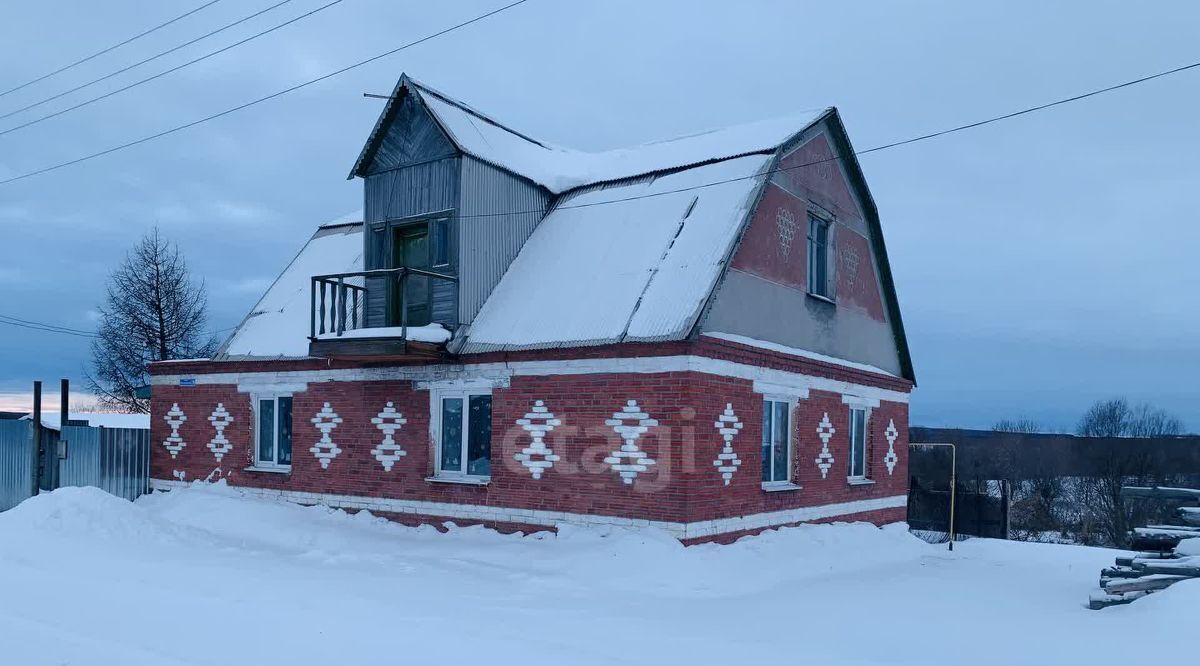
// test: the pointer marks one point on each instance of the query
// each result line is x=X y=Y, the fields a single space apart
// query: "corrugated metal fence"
x=16 y=477
x=116 y=460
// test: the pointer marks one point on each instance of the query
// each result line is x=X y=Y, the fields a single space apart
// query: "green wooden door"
x=410 y=249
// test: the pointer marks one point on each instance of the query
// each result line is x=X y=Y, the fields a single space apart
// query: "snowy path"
x=204 y=576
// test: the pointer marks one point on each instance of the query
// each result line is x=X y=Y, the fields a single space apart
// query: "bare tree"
x=1037 y=500
x=153 y=311
x=1106 y=517
x=1021 y=424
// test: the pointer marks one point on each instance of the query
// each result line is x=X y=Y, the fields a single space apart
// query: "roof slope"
x=639 y=267
x=277 y=327
x=561 y=169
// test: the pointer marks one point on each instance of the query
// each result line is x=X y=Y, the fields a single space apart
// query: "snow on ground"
x=206 y=576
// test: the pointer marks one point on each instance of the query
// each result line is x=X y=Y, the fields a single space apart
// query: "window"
x=775 y=436
x=441 y=242
x=818 y=257
x=858 y=443
x=274 y=432
x=464 y=434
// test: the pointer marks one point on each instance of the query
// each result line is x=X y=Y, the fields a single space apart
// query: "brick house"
x=700 y=335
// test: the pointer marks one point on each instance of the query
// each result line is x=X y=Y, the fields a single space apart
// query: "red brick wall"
x=579 y=483
x=761 y=252
x=810 y=173
x=684 y=485
x=708 y=496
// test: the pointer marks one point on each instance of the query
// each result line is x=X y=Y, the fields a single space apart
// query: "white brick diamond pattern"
x=388 y=421
x=825 y=431
x=630 y=424
x=890 y=458
x=539 y=422
x=220 y=420
x=174 y=418
x=728 y=425
x=785 y=224
x=326 y=450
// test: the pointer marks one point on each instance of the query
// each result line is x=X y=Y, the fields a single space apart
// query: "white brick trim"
x=860 y=401
x=694 y=530
x=780 y=381
x=795 y=351
x=784 y=392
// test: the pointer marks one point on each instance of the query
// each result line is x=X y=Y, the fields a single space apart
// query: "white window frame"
x=850 y=455
x=435 y=425
x=272 y=465
x=787 y=482
x=826 y=290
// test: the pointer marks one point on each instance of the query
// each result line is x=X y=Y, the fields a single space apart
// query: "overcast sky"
x=1042 y=263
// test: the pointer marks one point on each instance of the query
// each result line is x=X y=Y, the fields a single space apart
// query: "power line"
x=38 y=323
x=97 y=54
x=886 y=146
x=894 y=144
x=39 y=326
x=168 y=71
x=143 y=62
x=55 y=328
x=260 y=100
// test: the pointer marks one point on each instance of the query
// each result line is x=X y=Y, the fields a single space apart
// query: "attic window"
x=818 y=257
x=441 y=242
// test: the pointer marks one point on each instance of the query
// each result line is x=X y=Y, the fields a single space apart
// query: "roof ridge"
x=335 y=225
x=478 y=114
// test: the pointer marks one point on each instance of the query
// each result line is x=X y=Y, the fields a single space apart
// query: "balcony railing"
x=339 y=300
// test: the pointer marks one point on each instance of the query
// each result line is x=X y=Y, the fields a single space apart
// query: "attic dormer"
x=441 y=225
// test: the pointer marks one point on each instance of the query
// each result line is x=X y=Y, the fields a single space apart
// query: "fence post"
x=1005 y=499
x=312 y=308
x=35 y=454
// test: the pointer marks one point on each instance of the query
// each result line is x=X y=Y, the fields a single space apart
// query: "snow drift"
x=205 y=575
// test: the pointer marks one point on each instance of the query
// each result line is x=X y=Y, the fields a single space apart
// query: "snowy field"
x=204 y=576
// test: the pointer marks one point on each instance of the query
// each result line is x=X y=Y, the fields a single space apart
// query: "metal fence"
x=16 y=458
x=116 y=460
x=981 y=505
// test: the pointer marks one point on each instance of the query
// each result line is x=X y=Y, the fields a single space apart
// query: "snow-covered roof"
x=637 y=269
x=278 y=325
x=561 y=169
x=51 y=420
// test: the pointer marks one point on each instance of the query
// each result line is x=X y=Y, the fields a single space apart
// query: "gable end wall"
x=763 y=293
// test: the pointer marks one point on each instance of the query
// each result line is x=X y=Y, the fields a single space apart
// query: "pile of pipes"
x=1165 y=554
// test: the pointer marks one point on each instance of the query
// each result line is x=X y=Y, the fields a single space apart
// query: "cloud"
x=22 y=401
x=14 y=211
x=238 y=211
x=173 y=213
x=11 y=276
x=255 y=286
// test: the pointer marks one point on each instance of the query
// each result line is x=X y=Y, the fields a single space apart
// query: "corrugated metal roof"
x=560 y=169
x=628 y=270
x=278 y=325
